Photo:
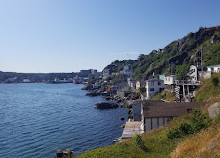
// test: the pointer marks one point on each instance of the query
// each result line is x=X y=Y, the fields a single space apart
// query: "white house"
x=169 y=80
x=131 y=82
x=128 y=70
x=106 y=73
x=193 y=73
x=213 y=69
x=26 y=81
x=153 y=86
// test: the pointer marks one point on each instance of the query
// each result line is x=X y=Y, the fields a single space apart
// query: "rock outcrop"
x=106 y=105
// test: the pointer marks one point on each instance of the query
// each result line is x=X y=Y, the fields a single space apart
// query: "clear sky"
x=70 y=35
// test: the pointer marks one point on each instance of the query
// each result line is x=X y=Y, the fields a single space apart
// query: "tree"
x=182 y=71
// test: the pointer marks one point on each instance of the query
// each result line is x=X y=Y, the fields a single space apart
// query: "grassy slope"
x=166 y=95
x=156 y=141
x=205 y=144
x=208 y=92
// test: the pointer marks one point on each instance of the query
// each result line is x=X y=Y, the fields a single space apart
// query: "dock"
x=131 y=128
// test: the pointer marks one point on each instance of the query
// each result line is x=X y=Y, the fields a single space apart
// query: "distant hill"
x=181 y=53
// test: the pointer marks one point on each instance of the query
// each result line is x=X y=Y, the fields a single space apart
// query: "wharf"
x=131 y=128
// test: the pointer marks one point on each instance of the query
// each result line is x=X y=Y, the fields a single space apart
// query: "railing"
x=187 y=82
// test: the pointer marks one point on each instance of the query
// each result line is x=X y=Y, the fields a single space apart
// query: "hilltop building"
x=128 y=70
x=193 y=73
x=213 y=68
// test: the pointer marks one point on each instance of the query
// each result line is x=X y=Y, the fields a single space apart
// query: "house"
x=162 y=77
x=213 y=68
x=123 y=94
x=153 y=86
x=157 y=113
x=26 y=81
x=193 y=73
x=140 y=84
x=128 y=71
x=106 y=73
x=131 y=82
x=170 y=80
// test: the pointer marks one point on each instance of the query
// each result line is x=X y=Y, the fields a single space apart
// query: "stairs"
x=177 y=91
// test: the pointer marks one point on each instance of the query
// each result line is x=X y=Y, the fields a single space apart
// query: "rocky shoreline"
x=112 y=101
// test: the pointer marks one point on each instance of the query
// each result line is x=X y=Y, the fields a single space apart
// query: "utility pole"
x=201 y=62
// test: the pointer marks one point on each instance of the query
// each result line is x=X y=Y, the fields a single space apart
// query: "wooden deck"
x=131 y=128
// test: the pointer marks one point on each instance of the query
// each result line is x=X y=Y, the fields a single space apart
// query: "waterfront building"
x=157 y=113
x=153 y=86
x=26 y=81
x=106 y=73
x=123 y=94
x=85 y=72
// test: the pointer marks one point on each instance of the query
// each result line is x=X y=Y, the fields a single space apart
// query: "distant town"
x=52 y=78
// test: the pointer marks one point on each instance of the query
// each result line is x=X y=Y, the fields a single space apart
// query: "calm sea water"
x=37 y=119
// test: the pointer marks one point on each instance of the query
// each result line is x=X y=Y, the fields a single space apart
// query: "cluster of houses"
x=184 y=90
x=127 y=71
x=152 y=114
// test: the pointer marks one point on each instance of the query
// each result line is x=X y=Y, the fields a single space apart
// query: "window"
x=159 y=83
x=151 y=89
x=152 y=83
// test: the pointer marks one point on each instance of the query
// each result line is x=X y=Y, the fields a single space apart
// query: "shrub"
x=139 y=142
x=198 y=121
x=174 y=133
x=215 y=81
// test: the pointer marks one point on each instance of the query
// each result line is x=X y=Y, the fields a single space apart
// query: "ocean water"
x=37 y=119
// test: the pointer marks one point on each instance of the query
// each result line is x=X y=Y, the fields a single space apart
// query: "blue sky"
x=70 y=35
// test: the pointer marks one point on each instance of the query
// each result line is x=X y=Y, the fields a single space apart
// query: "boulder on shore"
x=106 y=105
x=92 y=94
x=87 y=87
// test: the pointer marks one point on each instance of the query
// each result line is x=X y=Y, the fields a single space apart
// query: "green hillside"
x=181 y=53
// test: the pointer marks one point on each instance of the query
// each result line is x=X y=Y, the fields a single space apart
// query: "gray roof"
x=164 y=109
